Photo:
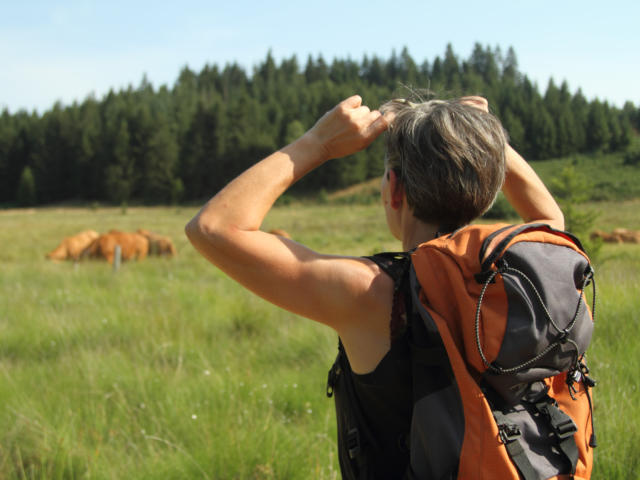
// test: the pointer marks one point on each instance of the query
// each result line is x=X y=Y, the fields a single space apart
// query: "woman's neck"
x=416 y=232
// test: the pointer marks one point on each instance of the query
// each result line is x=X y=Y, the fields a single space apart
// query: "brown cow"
x=280 y=232
x=627 y=236
x=158 y=244
x=132 y=246
x=72 y=247
x=618 y=235
x=605 y=237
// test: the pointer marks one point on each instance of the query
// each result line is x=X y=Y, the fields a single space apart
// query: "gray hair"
x=449 y=157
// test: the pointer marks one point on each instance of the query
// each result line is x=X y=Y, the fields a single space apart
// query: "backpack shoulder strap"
x=496 y=243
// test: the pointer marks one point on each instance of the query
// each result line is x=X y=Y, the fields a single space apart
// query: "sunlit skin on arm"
x=527 y=194
x=342 y=292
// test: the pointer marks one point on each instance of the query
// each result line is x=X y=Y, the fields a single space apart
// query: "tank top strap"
x=394 y=264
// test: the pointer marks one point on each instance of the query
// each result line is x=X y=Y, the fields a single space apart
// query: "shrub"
x=323 y=197
x=572 y=189
x=632 y=157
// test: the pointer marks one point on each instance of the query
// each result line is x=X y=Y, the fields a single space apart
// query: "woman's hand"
x=480 y=103
x=348 y=128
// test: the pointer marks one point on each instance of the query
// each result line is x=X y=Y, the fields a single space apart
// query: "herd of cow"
x=133 y=245
x=618 y=235
x=137 y=245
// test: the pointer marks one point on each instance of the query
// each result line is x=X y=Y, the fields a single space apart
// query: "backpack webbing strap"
x=342 y=368
x=355 y=438
x=491 y=257
x=563 y=428
x=510 y=435
x=488 y=258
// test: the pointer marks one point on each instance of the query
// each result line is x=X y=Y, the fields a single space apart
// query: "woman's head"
x=449 y=157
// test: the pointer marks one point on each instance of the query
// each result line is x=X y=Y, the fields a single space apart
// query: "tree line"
x=183 y=143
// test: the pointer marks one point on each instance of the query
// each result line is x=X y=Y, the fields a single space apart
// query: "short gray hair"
x=449 y=157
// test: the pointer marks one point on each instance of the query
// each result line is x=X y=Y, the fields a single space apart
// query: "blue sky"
x=65 y=50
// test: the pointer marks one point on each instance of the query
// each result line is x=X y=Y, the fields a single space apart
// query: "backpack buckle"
x=353 y=443
x=332 y=378
x=562 y=424
x=565 y=429
x=508 y=432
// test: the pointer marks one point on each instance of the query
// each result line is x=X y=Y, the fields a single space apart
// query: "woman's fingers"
x=348 y=127
x=354 y=101
x=477 y=102
x=378 y=124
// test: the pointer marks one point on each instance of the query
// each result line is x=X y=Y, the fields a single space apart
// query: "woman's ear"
x=396 y=188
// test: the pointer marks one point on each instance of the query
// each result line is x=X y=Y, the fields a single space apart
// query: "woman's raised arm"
x=226 y=230
x=527 y=194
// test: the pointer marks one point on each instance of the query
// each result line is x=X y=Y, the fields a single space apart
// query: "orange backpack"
x=507 y=305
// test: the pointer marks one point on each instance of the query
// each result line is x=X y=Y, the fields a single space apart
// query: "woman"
x=446 y=162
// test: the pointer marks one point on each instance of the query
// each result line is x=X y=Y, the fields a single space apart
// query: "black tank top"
x=383 y=397
x=386 y=399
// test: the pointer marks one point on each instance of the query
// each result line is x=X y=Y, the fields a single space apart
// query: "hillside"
x=606 y=176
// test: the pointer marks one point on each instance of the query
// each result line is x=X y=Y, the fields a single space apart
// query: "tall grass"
x=166 y=369
x=615 y=361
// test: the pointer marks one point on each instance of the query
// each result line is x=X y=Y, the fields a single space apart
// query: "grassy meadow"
x=168 y=370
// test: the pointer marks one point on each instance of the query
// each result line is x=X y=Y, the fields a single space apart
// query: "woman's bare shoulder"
x=365 y=331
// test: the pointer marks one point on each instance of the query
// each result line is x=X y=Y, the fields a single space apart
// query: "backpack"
x=502 y=308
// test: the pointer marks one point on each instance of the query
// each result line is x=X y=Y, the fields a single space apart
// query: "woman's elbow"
x=557 y=220
x=192 y=229
x=198 y=232
x=209 y=237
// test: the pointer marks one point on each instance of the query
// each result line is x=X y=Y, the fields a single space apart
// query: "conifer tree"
x=7 y=139
x=158 y=179
x=451 y=70
x=408 y=68
x=119 y=178
x=510 y=66
x=598 y=130
x=26 y=194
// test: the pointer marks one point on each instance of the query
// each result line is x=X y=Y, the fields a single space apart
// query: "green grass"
x=167 y=369
x=610 y=178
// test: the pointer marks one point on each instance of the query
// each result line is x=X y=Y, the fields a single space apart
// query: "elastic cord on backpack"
x=563 y=336
x=588 y=383
x=593 y=443
x=487 y=281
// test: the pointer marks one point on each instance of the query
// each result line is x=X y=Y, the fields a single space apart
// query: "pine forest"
x=183 y=143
